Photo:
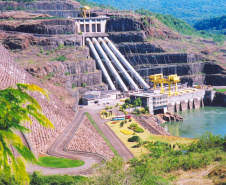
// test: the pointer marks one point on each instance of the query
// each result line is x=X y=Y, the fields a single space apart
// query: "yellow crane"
x=158 y=79
x=84 y=10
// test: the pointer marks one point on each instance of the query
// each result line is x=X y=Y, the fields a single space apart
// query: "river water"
x=197 y=121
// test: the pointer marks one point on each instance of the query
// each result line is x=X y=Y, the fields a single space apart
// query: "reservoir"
x=197 y=121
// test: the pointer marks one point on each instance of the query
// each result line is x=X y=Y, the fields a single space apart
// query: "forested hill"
x=216 y=24
x=188 y=10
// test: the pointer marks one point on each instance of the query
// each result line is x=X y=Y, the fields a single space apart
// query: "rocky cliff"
x=57 y=26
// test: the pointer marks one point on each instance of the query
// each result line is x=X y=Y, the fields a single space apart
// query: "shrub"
x=133 y=126
x=136 y=128
x=67 y=73
x=48 y=52
x=41 y=51
x=84 y=84
x=122 y=123
x=73 y=86
x=139 y=130
x=137 y=145
x=60 y=58
x=133 y=139
x=61 y=46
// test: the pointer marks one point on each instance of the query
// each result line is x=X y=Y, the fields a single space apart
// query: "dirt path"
x=196 y=178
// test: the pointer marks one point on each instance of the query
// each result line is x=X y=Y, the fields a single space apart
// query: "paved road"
x=58 y=147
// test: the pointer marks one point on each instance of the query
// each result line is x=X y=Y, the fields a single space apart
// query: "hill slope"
x=190 y=11
x=216 y=24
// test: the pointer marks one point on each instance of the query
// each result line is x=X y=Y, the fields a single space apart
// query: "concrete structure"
x=161 y=103
x=91 y=24
x=109 y=65
x=192 y=99
x=98 y=97
x=118 y=65
x=157 y=103
x=101 y=65
x=126 y=64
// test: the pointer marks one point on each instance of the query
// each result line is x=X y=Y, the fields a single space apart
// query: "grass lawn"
x=56 y=162
x=145 y=136
x=221 y=90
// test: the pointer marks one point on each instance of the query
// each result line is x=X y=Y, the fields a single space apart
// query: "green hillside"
x=190 y=11
x=215 y=25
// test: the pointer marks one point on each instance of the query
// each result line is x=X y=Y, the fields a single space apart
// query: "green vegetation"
x=214 y=25
x=190 y=11
x=84 y=84
x=133 y=139
x=103 y=136
x=183 y=28
x=56 y=162
x=61 y=58
x=38 y=179
x=93 y=4
x=219 y=90
x=158 y=166
x=67 y=73
x=50 y=75
x=16 y=108
x=136 y=128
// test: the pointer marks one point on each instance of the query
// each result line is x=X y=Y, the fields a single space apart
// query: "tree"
x=128 y=101
x=35 y=179
x=137 y=102
x=121 y=123
x=16 y=108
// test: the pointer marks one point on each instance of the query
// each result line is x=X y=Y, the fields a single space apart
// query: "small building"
x=98 y=97
x=156 y=102
x=91 y=24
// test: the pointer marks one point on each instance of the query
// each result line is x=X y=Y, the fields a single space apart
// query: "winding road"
x=58 y=148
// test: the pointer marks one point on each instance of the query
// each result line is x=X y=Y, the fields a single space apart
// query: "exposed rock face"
x=171 y=117
x=215 y=79
x=193 y=79
x=139 y=47
x=123 y=25
x=89 y=79
x=39 y=5
x=151 y=27
x=219 y=99
x=56 y=26
x=59 y=13
x=212 y=68
x=180 y=70
x=163 y=58
x=17 y=40
x=130 y=36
